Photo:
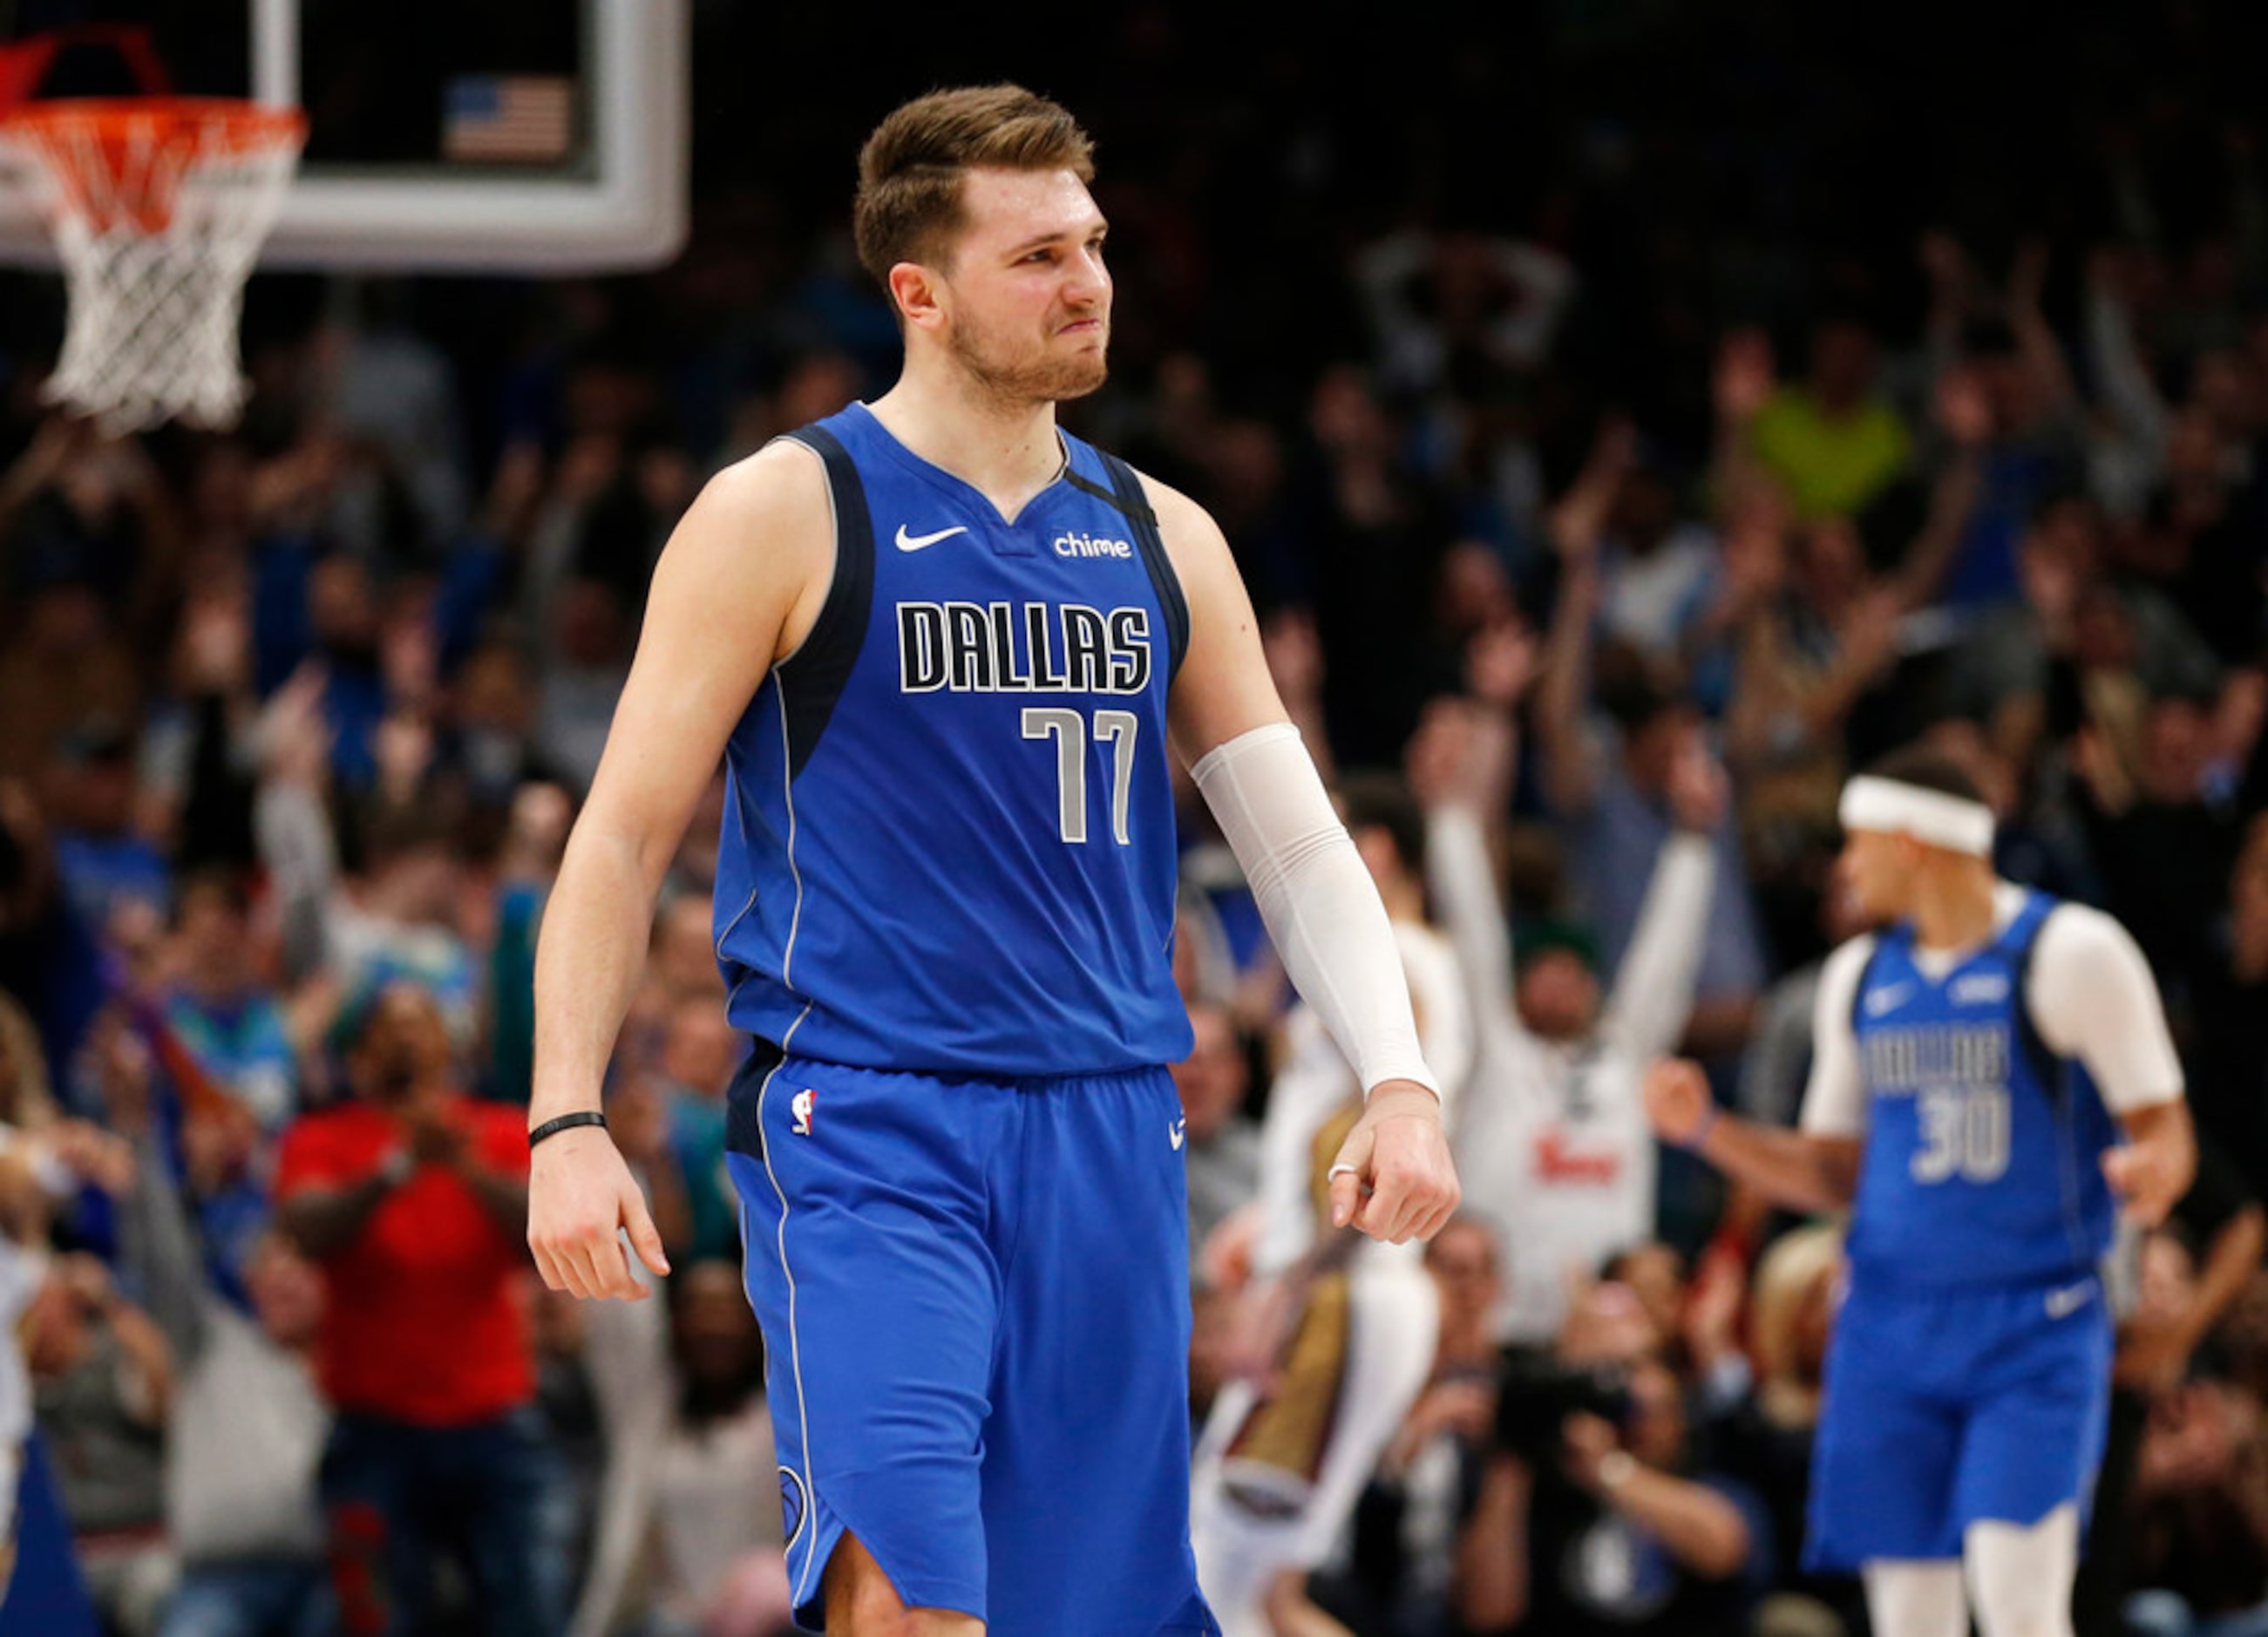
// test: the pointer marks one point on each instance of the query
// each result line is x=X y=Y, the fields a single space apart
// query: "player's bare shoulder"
x=773 y=504
x=758 y=542
x=1202 y=562
x=1224 y=687
x=1187 y=529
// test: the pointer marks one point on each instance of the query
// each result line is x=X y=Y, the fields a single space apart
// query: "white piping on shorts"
x=794 y=1332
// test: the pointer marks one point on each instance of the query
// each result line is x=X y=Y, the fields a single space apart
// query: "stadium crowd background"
x=1769 y=385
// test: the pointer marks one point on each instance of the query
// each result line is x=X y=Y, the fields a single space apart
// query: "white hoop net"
x=158 y=211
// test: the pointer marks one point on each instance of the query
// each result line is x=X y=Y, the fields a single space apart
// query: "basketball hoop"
x=158 y=206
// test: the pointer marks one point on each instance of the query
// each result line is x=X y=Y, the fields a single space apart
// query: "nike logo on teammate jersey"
x=1179 y=1134
x=1882 y=1001
x=915 y=542
x=2065 y=1302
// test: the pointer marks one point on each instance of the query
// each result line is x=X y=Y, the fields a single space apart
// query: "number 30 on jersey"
x=1964 y=1133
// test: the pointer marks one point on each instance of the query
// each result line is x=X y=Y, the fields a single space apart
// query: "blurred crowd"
x=1593 y=556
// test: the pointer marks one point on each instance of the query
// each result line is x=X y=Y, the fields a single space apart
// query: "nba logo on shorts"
x=801 y=1108
x=792 y=1507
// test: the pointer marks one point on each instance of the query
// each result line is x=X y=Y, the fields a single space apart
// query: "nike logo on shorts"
x=1179 y=1134
x=915 y=542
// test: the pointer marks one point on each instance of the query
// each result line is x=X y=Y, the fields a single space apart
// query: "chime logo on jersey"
x=801 y=1108
x=1979 y=989
x=999 y=647
x=1079 y=545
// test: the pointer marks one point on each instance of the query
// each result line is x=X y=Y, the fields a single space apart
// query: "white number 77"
x=1067 y=729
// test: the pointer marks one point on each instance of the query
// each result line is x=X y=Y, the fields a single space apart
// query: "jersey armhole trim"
x=821 y=665
x=1131 y=500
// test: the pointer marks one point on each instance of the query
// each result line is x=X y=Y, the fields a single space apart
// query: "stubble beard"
x=1033 y=378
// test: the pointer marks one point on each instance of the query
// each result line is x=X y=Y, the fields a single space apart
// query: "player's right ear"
x=920 y=295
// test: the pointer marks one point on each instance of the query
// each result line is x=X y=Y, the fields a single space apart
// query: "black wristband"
x=565 y=1122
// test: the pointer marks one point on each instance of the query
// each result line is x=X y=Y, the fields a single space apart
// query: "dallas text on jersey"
x=996 y=647
x=1901 y=1061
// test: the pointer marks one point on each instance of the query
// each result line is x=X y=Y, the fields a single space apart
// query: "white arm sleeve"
x=2092 y=998
x=1835 y=1099
x=1319 y=905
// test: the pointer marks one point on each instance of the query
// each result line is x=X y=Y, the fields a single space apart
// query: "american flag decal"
x=508 y=119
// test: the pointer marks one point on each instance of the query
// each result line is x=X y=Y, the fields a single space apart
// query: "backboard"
x=444 y=136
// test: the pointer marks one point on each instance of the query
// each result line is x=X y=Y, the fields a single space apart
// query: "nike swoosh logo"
x=915 y=542
x=1179 y=1134
x=1888 y=999
x=2065 y=1302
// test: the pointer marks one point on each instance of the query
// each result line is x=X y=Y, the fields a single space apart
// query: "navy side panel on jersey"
x=1983 y=1150
x=948 y=843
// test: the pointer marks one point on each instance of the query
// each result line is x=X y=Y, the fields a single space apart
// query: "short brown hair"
x=909 y=196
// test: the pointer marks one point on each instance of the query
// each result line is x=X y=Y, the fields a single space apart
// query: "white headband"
x=1930 y=817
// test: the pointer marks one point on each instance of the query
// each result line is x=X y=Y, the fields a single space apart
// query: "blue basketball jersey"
x=948 y=842
x=1983 y=1149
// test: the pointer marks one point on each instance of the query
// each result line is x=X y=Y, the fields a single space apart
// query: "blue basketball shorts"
x=975 y=1307
x=1950 y=1407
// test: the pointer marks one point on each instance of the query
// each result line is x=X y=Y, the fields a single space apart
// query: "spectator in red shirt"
x=413 y=1200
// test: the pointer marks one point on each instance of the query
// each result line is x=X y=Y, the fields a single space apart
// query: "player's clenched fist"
x=1393 y=1178
x=2154 y=1168
x=580 y=1192
x=1677 y=1100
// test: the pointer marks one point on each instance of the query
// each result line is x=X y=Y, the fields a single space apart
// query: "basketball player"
x=1283 y=1462
x=1992 y=1073
x=941 y=648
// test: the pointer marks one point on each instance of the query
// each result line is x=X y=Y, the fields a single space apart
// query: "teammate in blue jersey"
x=1991 y=1077
x=943 y=650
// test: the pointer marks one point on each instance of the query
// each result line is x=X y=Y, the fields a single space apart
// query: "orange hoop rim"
x=235 y=125
x=122 y=162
